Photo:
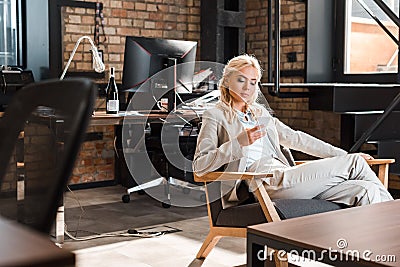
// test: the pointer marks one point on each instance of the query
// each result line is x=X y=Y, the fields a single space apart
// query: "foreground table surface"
x=20 y=246
x=361 y=236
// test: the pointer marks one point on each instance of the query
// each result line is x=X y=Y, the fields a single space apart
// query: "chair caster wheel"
x=166 y=204
x=126 y=198
x=203 y=198
x=186 y=191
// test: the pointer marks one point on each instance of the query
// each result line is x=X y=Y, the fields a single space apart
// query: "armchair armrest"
x=383 y=169
x=380 y=161
x=370 y=161
x=229 y=176
x=263 y=198
x=383 y=173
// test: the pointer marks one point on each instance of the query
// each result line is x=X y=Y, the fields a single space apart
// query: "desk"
x=151 y=147
x=373 y=231
x=138 y=122
x=20 y=246
x=101 y=118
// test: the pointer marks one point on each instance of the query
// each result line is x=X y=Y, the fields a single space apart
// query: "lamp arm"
x=74 y=51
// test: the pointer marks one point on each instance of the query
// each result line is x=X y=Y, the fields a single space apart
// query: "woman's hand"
x=249 y=136
x=366 y=156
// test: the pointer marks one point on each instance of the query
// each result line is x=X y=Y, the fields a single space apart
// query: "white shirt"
x=261 y=147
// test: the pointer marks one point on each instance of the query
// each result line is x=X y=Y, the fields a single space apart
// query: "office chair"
x=40 y=135
x=170 y=157
x=233 y=221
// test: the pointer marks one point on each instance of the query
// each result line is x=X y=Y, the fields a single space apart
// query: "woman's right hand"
x=250 y=135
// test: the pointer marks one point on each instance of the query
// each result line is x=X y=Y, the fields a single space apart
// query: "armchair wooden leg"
x=276 y=260
x=383 y=174
x=281 y=260
x=208 y=244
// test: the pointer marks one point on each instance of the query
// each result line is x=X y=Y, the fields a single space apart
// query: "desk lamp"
x=97 y=63
x=98 y=67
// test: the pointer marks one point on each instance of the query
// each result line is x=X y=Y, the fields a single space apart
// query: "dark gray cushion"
x=291 y=208
x=250 y=214
x=241 y=216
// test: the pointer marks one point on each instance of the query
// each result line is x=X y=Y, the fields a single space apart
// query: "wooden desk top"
x=374 y=228
x=20 y=246
x=101 y=118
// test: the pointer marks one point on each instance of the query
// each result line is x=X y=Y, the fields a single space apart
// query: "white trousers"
x=344 y=179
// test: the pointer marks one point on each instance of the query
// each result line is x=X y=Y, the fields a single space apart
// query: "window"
x=9 y=45
x=368 y=49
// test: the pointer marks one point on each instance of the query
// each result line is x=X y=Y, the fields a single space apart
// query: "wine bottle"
x=112 y=95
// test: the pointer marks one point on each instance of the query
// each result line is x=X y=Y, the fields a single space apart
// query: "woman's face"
x=242 y=85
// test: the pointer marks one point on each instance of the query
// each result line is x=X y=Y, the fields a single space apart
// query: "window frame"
x=19 y=37
x=338 y=61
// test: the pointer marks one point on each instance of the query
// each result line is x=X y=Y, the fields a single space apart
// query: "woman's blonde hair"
x=236 y=64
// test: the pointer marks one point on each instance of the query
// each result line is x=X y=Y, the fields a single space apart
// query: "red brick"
x=140 y=6
x=151 y=33
x=158 y=17
x=162 y=8
x=119 y=13
x=128 y=4
x=151 y=8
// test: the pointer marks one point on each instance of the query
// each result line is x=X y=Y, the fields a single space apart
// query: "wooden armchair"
x=234 y=220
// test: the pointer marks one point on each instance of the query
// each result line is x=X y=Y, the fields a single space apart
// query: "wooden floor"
x=100 y=210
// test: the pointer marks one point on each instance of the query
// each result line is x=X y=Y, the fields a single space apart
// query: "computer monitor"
x=145 y=57
x=10 y=82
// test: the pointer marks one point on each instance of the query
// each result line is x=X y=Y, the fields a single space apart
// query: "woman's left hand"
x=366 y=156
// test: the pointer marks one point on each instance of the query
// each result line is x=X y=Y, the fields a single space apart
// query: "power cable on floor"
x=80 y=206
x=114 y=234
x=126 y=233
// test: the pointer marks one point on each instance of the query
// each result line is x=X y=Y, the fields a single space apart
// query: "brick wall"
x=180 y=19
x=172 y=19
x=96 y=159
x=9 y=181
x=34 y=157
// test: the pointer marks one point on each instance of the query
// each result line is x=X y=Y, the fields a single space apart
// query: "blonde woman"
x=240 y=135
